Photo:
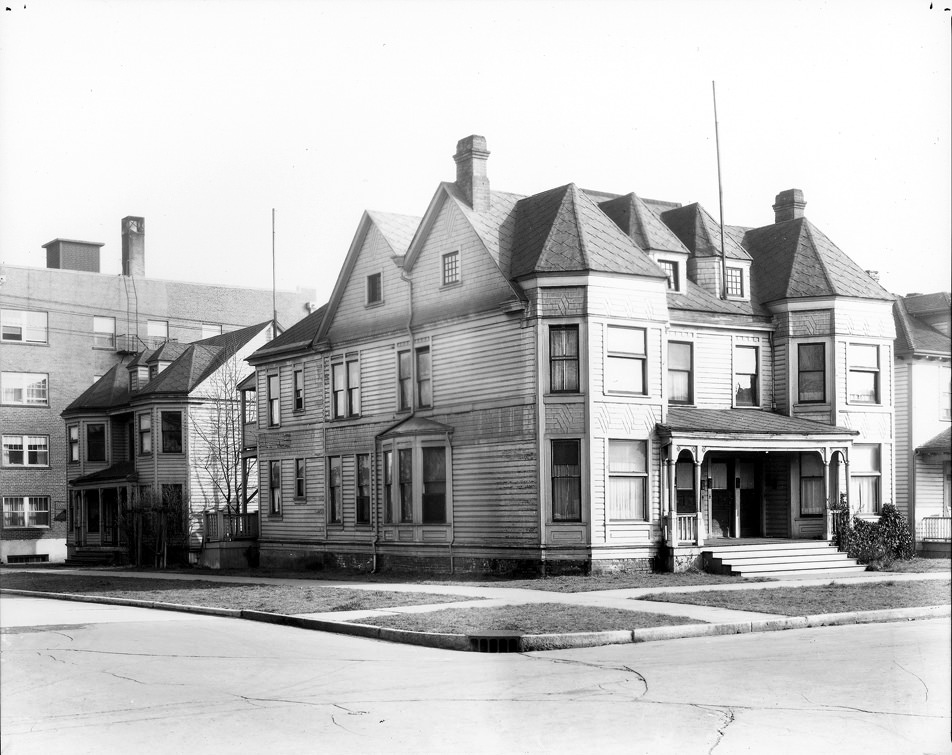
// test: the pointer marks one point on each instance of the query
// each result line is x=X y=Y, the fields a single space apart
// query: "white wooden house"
x=572 y=380
x=162 y=427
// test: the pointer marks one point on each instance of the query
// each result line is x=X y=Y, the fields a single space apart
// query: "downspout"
x=773 y=372
x=453 y=525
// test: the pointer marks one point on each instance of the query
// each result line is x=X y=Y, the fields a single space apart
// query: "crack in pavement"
x=728 y=718
x=924 y=685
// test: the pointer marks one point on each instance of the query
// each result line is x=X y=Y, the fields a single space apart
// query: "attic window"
x=735 y=281
x=671 y=270
x=450 y=268
x=374 y=289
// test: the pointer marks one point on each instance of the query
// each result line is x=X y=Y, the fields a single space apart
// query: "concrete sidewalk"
x=716 y=620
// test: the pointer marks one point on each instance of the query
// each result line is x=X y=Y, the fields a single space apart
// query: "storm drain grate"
x=495 y=642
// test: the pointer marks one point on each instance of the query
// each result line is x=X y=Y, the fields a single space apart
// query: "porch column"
x=827 y=513
x=697 y=499
x=672 y=506
x=849 y=486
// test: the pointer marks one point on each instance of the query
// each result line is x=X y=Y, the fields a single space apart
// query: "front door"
x=722 y=501
x=749 y=500
x=110 y=516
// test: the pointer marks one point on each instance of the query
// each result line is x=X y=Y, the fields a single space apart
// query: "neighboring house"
x=162 y=431
x=923 y=377
x=64 y=327
x=572 y=380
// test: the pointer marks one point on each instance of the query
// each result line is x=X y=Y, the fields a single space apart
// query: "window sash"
x=424 y=384
x=363 y=489
x=735 y=281
x=23 y=325
x=566 y=481
x=811 y=373
x=864 y=387
x=26 y=511
x=274 y=486
x=746 y=371
x=451 y=268
x=374 y=289
x=298 y=390
x=334 y=488
x=104 y=332
x=626 y=497
x=95 y=442
x=274 y=400
x=171 y=432
x=145 y=434
x=563 y=359
x=72 y=438
x=25 y=388
x=388 y=501
x=404 y=380
x=812 y=496
x=434 y=485
x=157 y=329
x=299 y=478
x=405 y=465
x=671 y=270
x=864 y=493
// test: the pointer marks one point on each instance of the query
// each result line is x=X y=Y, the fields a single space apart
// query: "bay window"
x=563 y=359
x=811 y=373
x=566 y=481
x=865 y=477
x=863 y=379
x=625 y=360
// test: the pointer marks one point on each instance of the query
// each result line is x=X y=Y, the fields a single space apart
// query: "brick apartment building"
x=65 y=326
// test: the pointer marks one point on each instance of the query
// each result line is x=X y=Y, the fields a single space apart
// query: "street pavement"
x=85 y=678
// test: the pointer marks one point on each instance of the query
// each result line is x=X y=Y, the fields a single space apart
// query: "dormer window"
x=451 y=268
x=671 y=270
x=735 y=282
x=374 y=289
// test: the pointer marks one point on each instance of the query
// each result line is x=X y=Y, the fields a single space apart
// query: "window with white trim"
x=680 y=372
x=812 y=487
x=363 y=489
x=863 y=379
x=26 y=450
x=563 y=359
x=627 y=480
x=416 y=481
x=671 y=270
x=811 y=373
x=424 y=382
x=625 y=360
x=451 y=273
x=145 y=434
x=24 y=388
x=72 y=441
x=24 y=326
x=96 y=442
x=335 y=489
x=274 y=487
x=566 y=469
x=746 y=378
x=345 y=388
x=300 y=488
x=274 y=400
x=389 y=514
x=299 y=390
x=374 y=288
x=26 y=511
x=865 y=477
x=735 y=281
x=104 y=332
x=171 y=432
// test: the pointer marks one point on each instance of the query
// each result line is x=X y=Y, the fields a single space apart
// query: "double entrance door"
x=735 y=497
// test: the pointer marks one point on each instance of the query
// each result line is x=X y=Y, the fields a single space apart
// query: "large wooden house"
x=572 y=380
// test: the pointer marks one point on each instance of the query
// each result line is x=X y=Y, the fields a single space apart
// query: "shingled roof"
x=636 y=218
x=939 y=445
x=915 y=336
x=701 y=234
x=299 y=336
x=397 y=229
x=112 y=389
x=563 y=230
x=794 y=259
x=743 y=421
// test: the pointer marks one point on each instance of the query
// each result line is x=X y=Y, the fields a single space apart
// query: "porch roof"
x=745 y=423
x=416 y=426
x=937 y=446
x=124 y=471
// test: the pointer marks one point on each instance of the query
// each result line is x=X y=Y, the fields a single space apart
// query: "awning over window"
x=416 y=426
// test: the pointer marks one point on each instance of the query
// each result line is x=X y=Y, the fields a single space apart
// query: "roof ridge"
x=582 y=243
x=805 y=228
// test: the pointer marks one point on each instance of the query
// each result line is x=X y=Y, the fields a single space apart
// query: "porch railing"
x=226 y=525
x=686 y=528
x=934 y=528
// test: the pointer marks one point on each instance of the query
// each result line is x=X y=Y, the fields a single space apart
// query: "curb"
x=529 y=642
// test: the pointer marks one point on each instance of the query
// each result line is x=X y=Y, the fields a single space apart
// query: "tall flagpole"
x=274 y=284
x=720 y=195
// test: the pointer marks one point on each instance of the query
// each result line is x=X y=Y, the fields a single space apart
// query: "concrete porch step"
x=799 y=558
x=773 y=553
x=809 y=573
x=785 y=545
x=779 y=559
x=781 y=566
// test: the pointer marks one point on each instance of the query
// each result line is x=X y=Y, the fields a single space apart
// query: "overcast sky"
x=203 y=116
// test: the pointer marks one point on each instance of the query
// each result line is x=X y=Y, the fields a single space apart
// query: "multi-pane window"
x=424 y=385
x=24 y=326
x=26 y=451
x=671 y=270
x=363 y=488
x=566 y=481
x=735 y=281
x=145 y=434
x=72 y=440
x=746 y=382
x=210 y=330
x=335 y=508
x=812 y=488
x=434 y=485
x=299 y=390
x=865 y=473
x=405 y=469
x=171 y=432
x=104 y=332
x=345 y=386
x=811 y=373
x=96 y=442
x=274 y=486
x=24 y=388
x=249 y=407
x=625 y=360
x=374 y=289
x=26 y=511
x=945 y=393
x=274 y=400
x=405 y=380
x=299 y=478
x=863 y=373
x=563 y=359
x=157 y=329
x=627 y=479
x=680 y=372
x=451 y=268
x=388 y=512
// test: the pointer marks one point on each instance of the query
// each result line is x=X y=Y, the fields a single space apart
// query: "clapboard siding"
x=378 y=379
x=781 y=376
x=929 y=482
x=495 y=497
x=713 y=370
x=903 y=444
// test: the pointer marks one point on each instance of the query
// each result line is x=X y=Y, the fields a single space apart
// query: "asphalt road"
x=93 y=678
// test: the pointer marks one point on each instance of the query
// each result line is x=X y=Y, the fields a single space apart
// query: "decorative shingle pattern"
x=701 y=234
x=920 y=304
x=111 y=389
x=636 y=218
x=168 y=351
x=743 y=422
x=794 y=259
x=398 y=230
x=562 y=230
x=496 y=227
x=915 y=336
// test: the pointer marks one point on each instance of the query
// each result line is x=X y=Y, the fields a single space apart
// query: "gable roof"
x=915 y=336
x=794 y=259
x=112 y=389
x=921 y=304
x=167 y=352
x=299 y=336
x=397 y=230
x=642 y=224
x=701 y=234
x=200 y=360
x=563 y=230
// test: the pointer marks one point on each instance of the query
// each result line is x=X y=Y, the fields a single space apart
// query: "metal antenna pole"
x=720 y=195
x=274 y=284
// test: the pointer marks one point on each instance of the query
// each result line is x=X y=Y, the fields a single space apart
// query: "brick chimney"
x=789 y=205
x=471 y=179
x=133 y=247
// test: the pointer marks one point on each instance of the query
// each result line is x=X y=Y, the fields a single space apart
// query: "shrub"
x=879 y=543
x=896 y=533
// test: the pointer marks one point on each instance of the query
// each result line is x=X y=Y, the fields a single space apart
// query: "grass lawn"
x=805 y=601
x=534 y=618
x=286 y=599
x=921 y=566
